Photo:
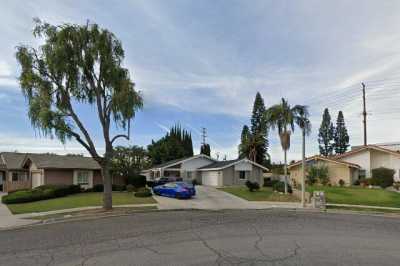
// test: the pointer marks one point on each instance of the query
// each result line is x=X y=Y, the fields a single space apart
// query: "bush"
x=268 y=182
x=357 y=182
x=150 y=183
x=137 y=181
x=317 y=173
x=280 y=187
x=252 y=186
x=130 y=188
x=40 y=193
x=143 y=193
x=118 y=187
x=382 y=177
x=341 y=182
x=98 y=188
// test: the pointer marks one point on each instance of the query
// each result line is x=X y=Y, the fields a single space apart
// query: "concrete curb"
x=39 y=214
x=363 y=207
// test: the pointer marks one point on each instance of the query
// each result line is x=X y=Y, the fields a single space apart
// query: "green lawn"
x=77 y=201
x=264 y=194
x=359 y=196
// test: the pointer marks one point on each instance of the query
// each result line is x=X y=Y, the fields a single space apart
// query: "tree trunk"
x=285 y=171
x=107 y=194
x=303 y=168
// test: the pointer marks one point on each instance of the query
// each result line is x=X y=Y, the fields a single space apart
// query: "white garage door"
x=37 y=179
x=210 y=178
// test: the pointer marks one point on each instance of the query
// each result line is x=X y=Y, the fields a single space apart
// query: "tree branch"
x=119 y=136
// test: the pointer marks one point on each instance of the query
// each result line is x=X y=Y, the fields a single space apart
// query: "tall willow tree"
x=78 y=64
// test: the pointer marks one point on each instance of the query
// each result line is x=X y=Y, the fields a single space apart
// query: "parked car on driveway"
x=179 y=190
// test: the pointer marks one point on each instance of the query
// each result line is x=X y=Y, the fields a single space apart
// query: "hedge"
x=40 y=193
x=382 y=177
x=143 y=193
x=280 y=187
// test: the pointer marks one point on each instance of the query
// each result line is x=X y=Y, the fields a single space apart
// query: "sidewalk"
x=8 y=220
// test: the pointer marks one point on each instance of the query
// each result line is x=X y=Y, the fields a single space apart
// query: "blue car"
x=179 y=190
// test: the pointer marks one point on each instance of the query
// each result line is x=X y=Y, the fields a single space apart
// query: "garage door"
x=37 y=179
x=210 y=178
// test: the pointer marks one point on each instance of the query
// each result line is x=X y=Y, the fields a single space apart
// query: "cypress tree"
x=326 y=135
x=244 y=146
x=341 y=136
x=259 y=130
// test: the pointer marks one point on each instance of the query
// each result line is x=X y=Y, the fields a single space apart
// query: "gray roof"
x=44 y=161
x=220 y=164
x=12 y=160
x=172 y=162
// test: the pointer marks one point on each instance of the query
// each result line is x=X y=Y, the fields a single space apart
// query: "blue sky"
x=201 y=63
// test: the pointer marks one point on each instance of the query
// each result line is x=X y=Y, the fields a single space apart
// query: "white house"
x=373 y=156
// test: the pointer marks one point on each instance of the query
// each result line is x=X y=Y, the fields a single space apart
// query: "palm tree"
x=303 y=121
x=283 y=117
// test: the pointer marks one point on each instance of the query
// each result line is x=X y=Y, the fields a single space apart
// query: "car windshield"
x=184 y=184
x=170 y=185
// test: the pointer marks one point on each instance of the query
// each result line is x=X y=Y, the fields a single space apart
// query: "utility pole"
x=203 y=135
x=364 y=115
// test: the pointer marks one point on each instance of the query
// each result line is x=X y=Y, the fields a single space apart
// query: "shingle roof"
x=172 y=162
x=331 y=159
x=176 y=161
x=12 y=160
x=220 y=164
x=44 y=161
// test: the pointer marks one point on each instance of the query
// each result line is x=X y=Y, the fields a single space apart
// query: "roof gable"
x=180 y=161
x=367 y=148
x=12 y=160
x=225 y=164
x=321 y=158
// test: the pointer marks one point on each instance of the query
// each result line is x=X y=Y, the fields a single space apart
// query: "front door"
x=37 y=179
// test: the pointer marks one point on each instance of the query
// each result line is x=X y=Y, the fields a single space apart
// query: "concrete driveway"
x=210 y=198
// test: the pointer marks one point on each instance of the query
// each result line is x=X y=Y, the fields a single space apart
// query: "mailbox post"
x=319 y=201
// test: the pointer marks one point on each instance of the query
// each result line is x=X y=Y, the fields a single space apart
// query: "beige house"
x=337 y=170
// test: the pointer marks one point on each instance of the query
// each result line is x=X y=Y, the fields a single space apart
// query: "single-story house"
x=373 y=156
x=208 y=171
x=30 y=170
x=232 y=172
x=337 y=170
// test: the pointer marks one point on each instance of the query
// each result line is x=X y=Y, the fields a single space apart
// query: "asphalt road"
x=241 y=237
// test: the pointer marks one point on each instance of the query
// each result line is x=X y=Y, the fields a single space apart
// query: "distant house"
x=374 y=156
x=29 y=170
x=337 y=170
x=209 y=171
x=186 y=168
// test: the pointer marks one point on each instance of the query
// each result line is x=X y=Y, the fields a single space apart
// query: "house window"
x=242 y=175
x=82 y=177
x=189 y=175
x=362 y=174
x=14 y=176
